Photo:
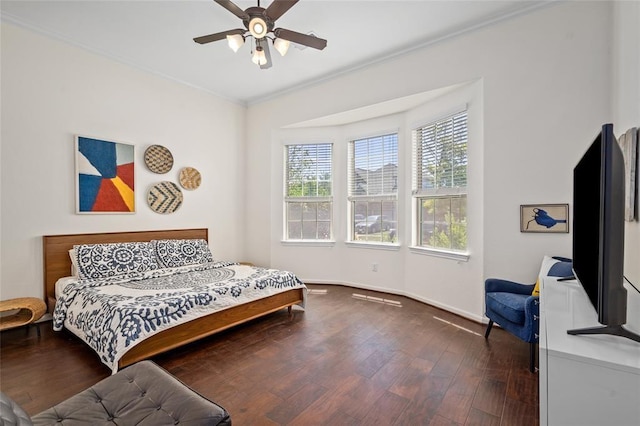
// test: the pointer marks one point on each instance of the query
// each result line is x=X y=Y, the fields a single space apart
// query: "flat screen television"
x=598 y=233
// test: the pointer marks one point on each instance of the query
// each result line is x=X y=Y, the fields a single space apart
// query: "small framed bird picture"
x=552 y=218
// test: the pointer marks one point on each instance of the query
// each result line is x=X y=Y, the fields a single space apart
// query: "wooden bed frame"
x=57 y=264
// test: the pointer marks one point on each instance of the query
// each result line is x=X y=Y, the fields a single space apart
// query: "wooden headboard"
x=57 y=263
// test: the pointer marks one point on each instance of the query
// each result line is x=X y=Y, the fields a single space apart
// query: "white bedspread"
x=113 y=315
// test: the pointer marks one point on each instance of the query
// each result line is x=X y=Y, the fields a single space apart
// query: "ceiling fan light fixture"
x=235 y=41
x=259 y=58
x=258 y=27
x=281 y=45
x=259 y=23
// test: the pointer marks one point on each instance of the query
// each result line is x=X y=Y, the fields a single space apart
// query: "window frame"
x=419 y=193
x=382 y=198
x=306 y=198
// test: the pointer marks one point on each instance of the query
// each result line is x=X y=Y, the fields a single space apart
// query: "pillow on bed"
x=108 y=260
x=174 y=253
x=74 y=262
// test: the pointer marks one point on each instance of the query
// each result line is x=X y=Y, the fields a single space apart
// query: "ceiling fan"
x=259 y=23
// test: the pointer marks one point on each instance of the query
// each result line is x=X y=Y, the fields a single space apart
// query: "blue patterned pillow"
x=174 y=253
x=555 y=267
x=108 y=260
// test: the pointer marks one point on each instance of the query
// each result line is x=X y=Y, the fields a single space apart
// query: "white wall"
x=353 y=266
x=51 y=91
x=545 y=80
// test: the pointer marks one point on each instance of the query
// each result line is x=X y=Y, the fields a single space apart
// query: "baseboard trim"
x=431 y=302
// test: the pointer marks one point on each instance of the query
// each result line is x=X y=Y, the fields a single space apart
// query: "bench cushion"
x=11 y=413
x=141 y=394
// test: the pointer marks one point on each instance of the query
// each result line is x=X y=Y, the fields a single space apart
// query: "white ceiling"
x=157 y=36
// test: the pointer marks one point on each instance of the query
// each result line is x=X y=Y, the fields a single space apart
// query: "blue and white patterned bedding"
x=114 y=314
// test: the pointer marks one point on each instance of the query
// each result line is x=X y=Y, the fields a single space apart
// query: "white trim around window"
x=308 y=192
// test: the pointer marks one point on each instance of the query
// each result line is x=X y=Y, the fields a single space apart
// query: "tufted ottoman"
x=141 y=394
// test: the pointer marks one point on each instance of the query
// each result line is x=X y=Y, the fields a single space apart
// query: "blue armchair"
x=512 y=305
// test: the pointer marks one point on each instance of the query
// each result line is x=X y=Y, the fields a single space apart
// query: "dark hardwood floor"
x=343 y=361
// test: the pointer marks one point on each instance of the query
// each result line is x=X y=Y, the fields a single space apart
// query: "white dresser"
x=586 y=380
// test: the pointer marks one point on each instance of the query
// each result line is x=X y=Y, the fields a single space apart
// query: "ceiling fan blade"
x=217 y=36
x=267 y=53
x=299 y=38
x=233 y=8
x=279 y=8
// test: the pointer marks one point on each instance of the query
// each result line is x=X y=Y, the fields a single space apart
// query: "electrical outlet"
x=374 y=267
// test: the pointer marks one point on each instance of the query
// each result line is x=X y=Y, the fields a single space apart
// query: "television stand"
x=614 y=330
x=590 y=379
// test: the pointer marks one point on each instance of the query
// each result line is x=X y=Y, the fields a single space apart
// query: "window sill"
x=376 y=246
x=308 y=243
x=453 y=255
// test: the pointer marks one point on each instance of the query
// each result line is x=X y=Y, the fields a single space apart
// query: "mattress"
x=114 y=314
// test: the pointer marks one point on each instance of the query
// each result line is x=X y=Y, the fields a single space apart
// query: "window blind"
x=373 y=166
x=308 y=171
x=440 y=155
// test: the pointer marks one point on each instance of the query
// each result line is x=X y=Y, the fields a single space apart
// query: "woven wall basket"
x=164 y=197
x=190 y=178
x=158 y=159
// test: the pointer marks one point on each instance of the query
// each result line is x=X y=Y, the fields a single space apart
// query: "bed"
x=57 y=267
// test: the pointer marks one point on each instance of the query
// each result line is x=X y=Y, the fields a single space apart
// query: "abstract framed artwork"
x=546 y=218
x=105 y=176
